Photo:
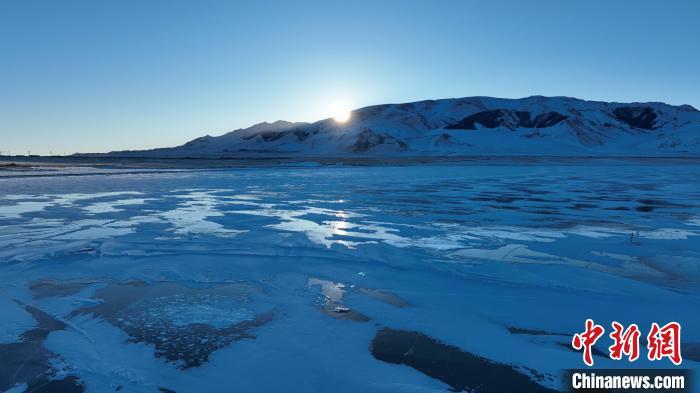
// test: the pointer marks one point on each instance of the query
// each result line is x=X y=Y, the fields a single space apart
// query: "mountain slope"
x=467 y=126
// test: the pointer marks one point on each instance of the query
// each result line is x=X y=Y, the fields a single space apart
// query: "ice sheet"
x=465 y=256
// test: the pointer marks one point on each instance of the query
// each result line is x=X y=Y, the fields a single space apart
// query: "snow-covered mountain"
x=534 y=126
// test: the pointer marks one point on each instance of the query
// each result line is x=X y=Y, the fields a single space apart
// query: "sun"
x=342 y=116
x=340 y=112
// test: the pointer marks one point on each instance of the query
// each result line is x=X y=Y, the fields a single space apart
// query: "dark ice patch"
x=594 y=350
x=691 y=351
x=43 y=289
x=649 y=205
x=70 y=384
x=386 y=297
x=534 y=332
x=582 y=206
x=461 y=370
x=662 y=203
x=497 y=198
x=29 y=362
x=140 y=310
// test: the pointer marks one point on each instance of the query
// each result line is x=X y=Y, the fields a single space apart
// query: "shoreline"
x=31 y=167
x=19 y=162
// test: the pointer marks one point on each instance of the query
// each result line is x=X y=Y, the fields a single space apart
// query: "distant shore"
x=32 y=166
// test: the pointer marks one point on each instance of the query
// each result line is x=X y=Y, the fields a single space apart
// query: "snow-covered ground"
x=279 y=279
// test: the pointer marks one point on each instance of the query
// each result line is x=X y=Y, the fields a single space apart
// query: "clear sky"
x=93 y=76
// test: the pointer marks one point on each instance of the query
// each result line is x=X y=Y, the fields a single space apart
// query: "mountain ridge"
x=535 y=125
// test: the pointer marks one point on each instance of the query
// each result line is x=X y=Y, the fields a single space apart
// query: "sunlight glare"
x=341 y=112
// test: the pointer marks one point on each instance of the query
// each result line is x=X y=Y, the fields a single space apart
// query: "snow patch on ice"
x=190 y=217
x=111 y=207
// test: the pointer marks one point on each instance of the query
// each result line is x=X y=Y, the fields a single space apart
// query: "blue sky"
x=95 y=76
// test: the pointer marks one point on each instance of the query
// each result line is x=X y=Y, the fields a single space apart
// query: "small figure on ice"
x=635 y=238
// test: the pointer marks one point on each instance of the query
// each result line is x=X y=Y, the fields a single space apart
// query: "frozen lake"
x=314 y=279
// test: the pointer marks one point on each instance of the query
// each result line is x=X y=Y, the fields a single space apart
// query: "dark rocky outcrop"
x=270 y=136
x=642 y=117
x=508 y=119
x=548 y=119
x=301 y=134
x=368 y=139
